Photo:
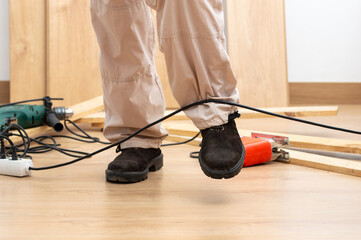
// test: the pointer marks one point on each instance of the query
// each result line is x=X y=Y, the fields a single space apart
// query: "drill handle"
x=53 y=121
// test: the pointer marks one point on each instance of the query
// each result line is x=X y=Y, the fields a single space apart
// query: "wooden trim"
x=4 y=91
x=325 y=93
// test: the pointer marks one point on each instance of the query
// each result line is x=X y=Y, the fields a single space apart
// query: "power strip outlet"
x=17 y=168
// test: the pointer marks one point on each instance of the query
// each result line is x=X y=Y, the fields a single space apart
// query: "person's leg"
x=131 y=88
x=191 y=35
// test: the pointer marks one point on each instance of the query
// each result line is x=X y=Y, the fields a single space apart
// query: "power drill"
x=28 y=116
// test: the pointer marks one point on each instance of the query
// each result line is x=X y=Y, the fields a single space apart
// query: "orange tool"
x=262 y=148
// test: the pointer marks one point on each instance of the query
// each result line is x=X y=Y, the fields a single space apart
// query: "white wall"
x=323 y=40
x=4 y=41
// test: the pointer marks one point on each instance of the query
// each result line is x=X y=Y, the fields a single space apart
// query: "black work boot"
x=222 y=152
x=133 y=165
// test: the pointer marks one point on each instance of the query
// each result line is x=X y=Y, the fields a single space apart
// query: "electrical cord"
x=86 y=135
x=187 y=107
x=21 y=130
x=49 y=147
x=44 y=147
x=3 y=149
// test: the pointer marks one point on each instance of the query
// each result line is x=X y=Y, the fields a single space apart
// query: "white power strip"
x=17 y=168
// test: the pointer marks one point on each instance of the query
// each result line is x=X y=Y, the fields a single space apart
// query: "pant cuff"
x=216 y=121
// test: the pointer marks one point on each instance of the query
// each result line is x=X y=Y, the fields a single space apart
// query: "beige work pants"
x=191 y=36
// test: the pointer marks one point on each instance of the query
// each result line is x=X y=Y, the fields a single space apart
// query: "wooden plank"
x=97 y=125
x=319 y=143
x=72 y=52
x=325 y=93
x=88 y=107
x=292 y=111
x=94 y=118
x=349 y=167
x=257 y=50
x=245 y=113
x=27 y=49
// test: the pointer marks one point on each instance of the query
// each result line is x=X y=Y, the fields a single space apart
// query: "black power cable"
x=22 y=133
x=187 y=107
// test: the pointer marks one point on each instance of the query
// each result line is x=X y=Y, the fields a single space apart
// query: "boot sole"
x=228 y=173
x=132 y=177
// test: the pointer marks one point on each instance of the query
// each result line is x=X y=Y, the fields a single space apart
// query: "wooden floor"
x=271 y=201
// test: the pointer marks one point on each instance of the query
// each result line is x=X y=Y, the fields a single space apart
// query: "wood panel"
x=72 y=52
x=4 y=91
x=325 y=93
x=257 y=49
x=27 y=49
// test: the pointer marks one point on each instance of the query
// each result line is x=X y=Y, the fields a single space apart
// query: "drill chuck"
x=63 y=113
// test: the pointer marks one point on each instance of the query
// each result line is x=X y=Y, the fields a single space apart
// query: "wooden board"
x=325 y=93
x=257 y=49
x=331 y=164
x=27 y=49
x=88 y=107
x=286 y=111
x=319 y=143
x=72 y=52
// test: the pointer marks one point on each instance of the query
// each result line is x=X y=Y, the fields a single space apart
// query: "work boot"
x=133 y=165
x=222 y=152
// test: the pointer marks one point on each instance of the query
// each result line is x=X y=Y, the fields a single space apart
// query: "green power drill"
x=28 y=116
